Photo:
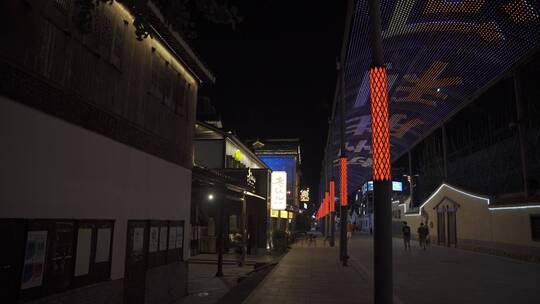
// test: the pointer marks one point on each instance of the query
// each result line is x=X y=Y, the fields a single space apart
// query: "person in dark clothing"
x=422 y=235
x=406 y=230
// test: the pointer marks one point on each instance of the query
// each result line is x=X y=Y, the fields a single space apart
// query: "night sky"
x=276 y=73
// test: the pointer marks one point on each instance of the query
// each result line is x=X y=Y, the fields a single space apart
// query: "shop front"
x=243 y=204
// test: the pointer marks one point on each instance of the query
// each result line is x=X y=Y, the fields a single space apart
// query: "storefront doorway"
x=136 y=253
x=446 y=222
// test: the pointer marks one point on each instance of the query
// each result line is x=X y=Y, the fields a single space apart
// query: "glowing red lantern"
x=379 y=123
x=343 y=180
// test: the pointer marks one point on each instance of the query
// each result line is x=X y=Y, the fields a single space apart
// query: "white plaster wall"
x=473 y=218
x=514 y=226
x=52 y=169
x=476 y=222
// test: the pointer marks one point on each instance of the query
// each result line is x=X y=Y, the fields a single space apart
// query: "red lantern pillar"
x=331 y=202
x=382 y=178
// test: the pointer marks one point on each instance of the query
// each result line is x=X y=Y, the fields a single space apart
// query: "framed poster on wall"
x=34 y=259
x=154 y=239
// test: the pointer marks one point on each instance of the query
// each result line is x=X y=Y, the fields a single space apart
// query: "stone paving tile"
x=311 y=275
x=205 y=288
x=449 y=275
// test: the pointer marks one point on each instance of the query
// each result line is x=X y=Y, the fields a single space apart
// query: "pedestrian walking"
x=239 y=249
x=428 y=237
x=406 y=230
x=422 y=235
x=349 y=231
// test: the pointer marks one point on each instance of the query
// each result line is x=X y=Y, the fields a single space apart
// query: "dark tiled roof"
x=177 y=44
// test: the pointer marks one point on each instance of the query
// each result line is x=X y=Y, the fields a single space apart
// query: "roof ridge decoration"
x=208 y=75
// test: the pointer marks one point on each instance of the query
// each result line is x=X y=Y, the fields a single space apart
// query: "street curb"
x=267 y=275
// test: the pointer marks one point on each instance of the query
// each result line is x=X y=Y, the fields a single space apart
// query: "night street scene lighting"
x=232 y=151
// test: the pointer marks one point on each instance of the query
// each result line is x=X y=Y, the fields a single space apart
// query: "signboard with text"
x=279 y=190
x=304 y=195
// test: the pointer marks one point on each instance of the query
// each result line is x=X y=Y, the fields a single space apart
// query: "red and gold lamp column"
x=331 y=202
x=382 y=177
x=327 y=212
x=343 y=208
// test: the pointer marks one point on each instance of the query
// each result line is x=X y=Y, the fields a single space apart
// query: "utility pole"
x=244 y=231
x=410 y=180
x=219 y=240
x=382 y=177
x=332 y=194
x=344 y=217
x=445 y=155
x=520 y=111
x=340 y=99
x=327 y=216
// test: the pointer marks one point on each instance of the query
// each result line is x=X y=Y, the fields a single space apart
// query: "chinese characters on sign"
x=279 y=190
x=304 y=195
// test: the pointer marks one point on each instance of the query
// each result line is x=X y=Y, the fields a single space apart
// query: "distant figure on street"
x=349 y=231
x=428 y=238
x=406 y=230
x=311 y=240
x=239 y=249
x=423 y=232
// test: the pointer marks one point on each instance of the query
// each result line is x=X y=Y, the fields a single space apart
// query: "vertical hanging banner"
x=332 y=197
x=278 y=192
x=343 y=180
x=379 y=124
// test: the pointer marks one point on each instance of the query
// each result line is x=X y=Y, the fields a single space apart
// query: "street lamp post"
x=332 y=206
x=219 y=239
x=383 y=291
x=244 y=232
x=344 y=217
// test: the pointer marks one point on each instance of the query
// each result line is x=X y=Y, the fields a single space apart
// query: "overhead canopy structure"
x=440 y=55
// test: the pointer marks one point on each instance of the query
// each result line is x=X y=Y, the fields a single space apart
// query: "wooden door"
x=60 y=260
x=452 y=230
x=441 y=227
x=136 y=262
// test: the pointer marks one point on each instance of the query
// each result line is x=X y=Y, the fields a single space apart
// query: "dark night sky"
x=276 y=72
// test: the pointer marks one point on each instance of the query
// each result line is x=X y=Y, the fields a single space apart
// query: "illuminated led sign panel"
x=285 y=163
x=304 y=195
x=439 y=54
x=397 y=186
x=278 y=190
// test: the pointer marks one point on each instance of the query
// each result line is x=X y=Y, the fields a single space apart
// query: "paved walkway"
x=449 y=275
x=203 y=285
x=439 y=275
x=205 y=288
x=312 y=275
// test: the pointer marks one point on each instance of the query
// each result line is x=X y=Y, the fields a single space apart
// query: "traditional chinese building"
x=97 y=137
x=226 y=165
x=283 y=156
